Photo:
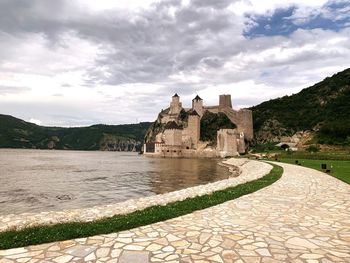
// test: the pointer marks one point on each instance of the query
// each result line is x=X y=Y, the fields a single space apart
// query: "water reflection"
x=180 y=173
x=36 y=180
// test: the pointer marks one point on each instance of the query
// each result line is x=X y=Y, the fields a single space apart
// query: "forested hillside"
x=323 y=109
x=16 y=133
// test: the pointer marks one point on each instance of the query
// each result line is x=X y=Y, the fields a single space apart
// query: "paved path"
x=304 y=217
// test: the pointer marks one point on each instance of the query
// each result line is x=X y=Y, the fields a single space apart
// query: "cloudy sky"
x=82 y=62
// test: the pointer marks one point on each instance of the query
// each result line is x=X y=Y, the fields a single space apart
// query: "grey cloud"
x=214 y=62
x=12 y=90
x=217 y=4
x=155 y=45
x=148 y=48
x=17 y=16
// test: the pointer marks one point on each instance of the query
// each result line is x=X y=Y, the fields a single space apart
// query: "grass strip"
x=58 y=232
x=338 y=168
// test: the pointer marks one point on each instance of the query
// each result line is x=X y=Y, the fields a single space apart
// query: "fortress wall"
x=243 y=119
x=241 y=145
x=227 y=142
x=172 y=151
x=173 y=137
x=212 y=109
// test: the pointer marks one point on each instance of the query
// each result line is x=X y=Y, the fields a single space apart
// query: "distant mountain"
x=323 y=109
x=16 y=133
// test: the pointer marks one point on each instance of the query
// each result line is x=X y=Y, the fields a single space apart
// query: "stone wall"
x=227 y=142
x=212 y=109
x=173 y=137
x=193 y=130
x=243 y=119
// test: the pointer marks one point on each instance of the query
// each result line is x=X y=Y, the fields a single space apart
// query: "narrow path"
x=304 y=217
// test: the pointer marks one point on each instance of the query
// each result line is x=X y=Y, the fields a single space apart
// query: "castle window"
x=168 y=151
x=175 y=151
x=187 y=147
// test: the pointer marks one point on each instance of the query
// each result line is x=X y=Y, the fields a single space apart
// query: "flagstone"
x=301 y=242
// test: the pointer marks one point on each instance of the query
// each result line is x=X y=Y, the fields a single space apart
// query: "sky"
x=82 y=62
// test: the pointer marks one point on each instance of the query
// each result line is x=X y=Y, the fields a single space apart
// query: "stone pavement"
x=304 y=217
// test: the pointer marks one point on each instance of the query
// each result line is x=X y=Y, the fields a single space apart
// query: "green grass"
x=45 y=234
x=340 y=156
x=339 y=169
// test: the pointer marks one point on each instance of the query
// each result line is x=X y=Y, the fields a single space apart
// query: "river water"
x=44 y=180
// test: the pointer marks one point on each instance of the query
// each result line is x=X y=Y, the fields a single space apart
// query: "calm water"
x=40 y=180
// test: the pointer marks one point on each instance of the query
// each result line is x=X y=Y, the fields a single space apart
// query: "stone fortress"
x=170 y=136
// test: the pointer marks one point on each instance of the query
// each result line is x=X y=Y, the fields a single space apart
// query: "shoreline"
x=249 y=170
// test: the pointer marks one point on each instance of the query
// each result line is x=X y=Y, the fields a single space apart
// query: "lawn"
x=339 y=169
x=51 y=233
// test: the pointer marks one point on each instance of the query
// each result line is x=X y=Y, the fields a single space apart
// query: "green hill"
x=323 y=108
x=16 y=133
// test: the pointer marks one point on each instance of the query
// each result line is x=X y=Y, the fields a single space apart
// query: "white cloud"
x=97 y=63
x=102 y=5
x=35 y=121
x=263 y=7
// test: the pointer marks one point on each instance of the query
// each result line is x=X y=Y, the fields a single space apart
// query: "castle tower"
x=225 y=101
x=194 y=128
x=197 y=105
x=175 y=105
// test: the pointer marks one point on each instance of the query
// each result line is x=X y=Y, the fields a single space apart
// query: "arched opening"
x=285 y=146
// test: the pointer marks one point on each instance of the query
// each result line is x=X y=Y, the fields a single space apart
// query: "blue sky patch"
x=332 y=16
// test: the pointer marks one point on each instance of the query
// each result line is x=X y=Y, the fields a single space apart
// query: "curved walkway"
x=304 y=217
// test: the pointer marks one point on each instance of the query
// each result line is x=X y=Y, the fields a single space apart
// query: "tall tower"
x=197 y=105
x=194 y=128
x=175 y=105
x=225 y=101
